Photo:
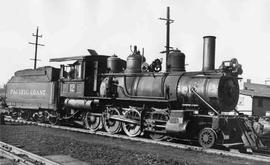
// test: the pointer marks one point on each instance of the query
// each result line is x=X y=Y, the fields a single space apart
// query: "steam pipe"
x=209 y=43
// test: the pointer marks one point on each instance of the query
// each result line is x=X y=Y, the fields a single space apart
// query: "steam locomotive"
x=106 y=92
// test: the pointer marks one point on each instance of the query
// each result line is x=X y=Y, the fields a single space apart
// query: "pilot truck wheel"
x=207 y=137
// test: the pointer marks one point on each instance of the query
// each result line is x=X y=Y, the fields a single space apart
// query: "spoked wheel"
x=132 y=129
x=26 y=115
x=111 y=126
x=53 y=117
x=15 y=114
x=92 y=123
x=207 y=137
x=39 y=117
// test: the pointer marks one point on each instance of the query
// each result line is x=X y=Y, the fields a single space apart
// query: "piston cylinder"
x=209 y=53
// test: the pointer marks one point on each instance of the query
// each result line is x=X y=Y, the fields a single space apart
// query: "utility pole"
x=36 y=46
x=168 y=22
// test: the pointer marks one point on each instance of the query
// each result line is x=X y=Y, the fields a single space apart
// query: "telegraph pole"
x=36 y=46
x=168 y=22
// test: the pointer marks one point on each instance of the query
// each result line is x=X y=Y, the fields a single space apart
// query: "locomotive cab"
x=78 y=82
x=81 y=78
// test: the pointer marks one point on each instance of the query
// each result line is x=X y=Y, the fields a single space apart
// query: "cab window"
x=73 y=71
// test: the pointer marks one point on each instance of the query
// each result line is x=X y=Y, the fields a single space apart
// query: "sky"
x=70 y=27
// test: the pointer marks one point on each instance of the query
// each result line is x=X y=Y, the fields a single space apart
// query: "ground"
x=96 y=149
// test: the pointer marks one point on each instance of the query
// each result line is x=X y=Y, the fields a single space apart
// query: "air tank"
x=115 y=64
x=80 y=103
x=176 y=61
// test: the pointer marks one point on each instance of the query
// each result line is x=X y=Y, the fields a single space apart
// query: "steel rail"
x=23 y=157
x=164 y=143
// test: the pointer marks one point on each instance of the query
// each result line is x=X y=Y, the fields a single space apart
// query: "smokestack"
x=209 y=43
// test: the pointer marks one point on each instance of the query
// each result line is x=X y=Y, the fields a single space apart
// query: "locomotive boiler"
x=175 y=103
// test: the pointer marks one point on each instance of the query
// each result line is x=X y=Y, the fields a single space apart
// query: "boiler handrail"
x=204 y=101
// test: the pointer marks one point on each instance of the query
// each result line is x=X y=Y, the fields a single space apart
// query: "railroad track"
x=22 y=157
x=233 y=153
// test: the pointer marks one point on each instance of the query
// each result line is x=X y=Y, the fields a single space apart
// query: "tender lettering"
x=31 y=92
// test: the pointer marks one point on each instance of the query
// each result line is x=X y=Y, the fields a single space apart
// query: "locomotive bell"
x=114 y=64
x=176 y=61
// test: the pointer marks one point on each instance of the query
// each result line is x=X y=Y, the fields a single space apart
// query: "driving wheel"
x=132 y=129
x=111 y=126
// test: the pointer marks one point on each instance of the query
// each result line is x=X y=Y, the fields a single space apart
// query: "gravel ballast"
x=96 y=149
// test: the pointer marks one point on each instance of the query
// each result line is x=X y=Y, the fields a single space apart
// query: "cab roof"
x=93 y=55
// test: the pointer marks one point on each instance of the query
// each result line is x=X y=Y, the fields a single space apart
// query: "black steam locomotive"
x=106 y=92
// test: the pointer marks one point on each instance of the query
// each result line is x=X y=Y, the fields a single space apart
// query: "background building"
x=254 y=99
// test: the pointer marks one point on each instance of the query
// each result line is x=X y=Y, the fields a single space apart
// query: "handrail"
x=204 y=101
